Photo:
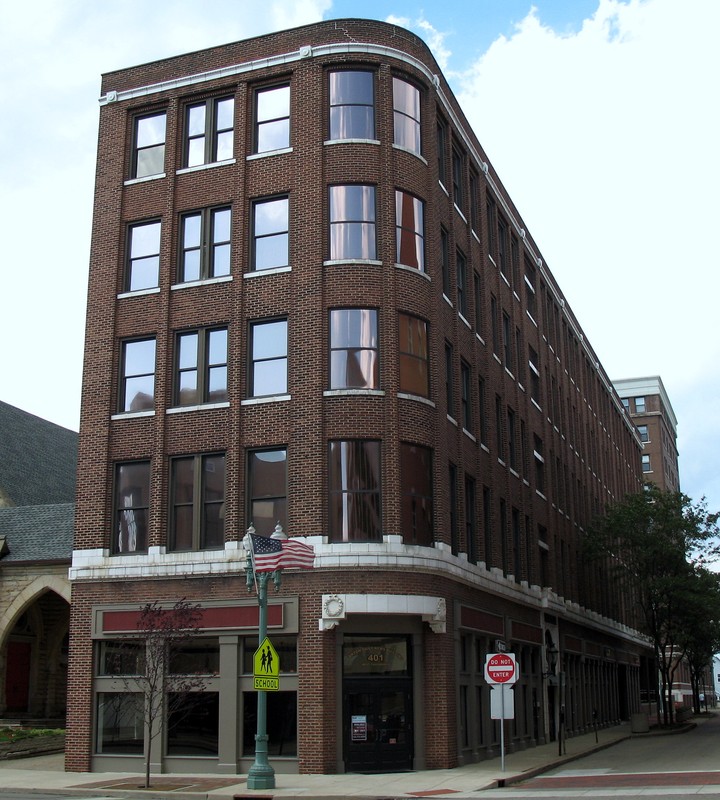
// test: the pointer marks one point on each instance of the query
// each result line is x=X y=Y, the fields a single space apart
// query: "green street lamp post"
x=261 y=775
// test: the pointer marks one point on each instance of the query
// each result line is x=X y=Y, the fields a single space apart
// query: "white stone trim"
x=336 y=607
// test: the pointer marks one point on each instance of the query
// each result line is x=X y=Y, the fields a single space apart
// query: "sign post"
x=501 y=673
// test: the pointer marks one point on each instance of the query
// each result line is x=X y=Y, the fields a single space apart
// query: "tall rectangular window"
x=416 y=494
x=530 y=290
x=499 y=437
x=143 y=256
x=352 y=105
x=132 y=506
x=449 y=393
x=271 y=233
x=534 y=371
x=354 y=348
x=445 y=261
x=406 y=115
x=475 y=201
x=354 y=485
x=502 y=247
x=646 y=463
x=495 y=325
x=209 y=131
x=352 y=222
x=413 y=347
x=149 y=145
x=205 y=249
x=465 y=396
x=491 y=219
x=137 y=371
x=197 y=492
x=515 y=262
x=409 y=230
x=470 y=520
x=269 y=361
x=478 y=292
x=639 y=405
x=507 y=342
x=442 y=150
x=201 y=367
x=482 y=401
x=272 y=119
x=539 y=464
x=458 y=177
x=267 y=490
x=461 y=274
x=512 y=440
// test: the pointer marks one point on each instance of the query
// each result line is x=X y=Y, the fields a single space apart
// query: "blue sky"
x=600 y=117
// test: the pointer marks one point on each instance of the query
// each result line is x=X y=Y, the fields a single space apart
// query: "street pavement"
x=604 y=768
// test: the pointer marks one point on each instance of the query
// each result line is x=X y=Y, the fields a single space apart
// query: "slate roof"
x=38 y=460
x=37 y=533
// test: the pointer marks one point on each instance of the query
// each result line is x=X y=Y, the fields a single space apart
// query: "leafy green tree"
x=652 y=543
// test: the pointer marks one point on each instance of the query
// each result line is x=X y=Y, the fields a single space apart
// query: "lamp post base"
x=260 y=777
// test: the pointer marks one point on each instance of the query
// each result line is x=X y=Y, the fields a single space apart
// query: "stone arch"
x=27 y=595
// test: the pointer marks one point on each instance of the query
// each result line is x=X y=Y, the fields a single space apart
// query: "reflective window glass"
x=272 y=115
x=353 y=349
x=137 y=391
x=269 y=358
x=406 y=108
x=352 y=222
x=143 y=268
x=354 y=482
x=352 y=111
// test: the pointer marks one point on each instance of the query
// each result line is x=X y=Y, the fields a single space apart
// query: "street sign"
x=266 y=668
x=501 y=668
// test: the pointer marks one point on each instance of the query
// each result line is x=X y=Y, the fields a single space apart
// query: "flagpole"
x=261 y=774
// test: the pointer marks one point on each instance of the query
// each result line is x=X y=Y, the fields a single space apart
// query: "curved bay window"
x=352 y=223
x=352 y=105
x=354 y=503
x=409 y=230
x=354 y=348
x=417 y=494
x=406 y=115
x=413 y=348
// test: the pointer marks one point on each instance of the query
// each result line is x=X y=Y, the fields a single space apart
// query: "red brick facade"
x=574 y=451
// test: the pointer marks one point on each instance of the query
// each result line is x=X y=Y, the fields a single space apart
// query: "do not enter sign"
x=501 y=668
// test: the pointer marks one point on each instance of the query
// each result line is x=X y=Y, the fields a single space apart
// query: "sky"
x=600 y=116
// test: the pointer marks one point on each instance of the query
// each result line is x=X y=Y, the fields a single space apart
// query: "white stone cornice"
x=336 y=607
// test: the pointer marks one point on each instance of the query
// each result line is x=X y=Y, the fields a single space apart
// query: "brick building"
x=312 y=302
x=648 y=405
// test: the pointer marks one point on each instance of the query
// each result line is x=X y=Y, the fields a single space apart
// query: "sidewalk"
x=45 y=774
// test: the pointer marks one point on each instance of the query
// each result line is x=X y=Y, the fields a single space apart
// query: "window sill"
x=359 y=261
x=353 y=393
x=256 y=273
x=273 y=398
x=410 y=152
x=469 y=435
x=133 y=414
x=201 y=167
x=199 y=407
x=269 y=153
x=351 y=141
x=139 y=293
x=460 y=213
x=418 y=398
x=413 y=270
x=145 y=179
x=464 y=320
x=202 y=282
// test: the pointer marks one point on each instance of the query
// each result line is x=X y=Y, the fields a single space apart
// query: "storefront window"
x=120 y=723
x=193 y=724
x=281 y=723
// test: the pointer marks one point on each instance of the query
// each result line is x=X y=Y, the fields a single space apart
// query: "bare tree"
x=167 y=694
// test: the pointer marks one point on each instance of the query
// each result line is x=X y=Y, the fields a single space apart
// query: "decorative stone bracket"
x=336 y=607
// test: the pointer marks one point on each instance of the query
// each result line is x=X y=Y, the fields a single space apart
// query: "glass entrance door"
x=378 y=725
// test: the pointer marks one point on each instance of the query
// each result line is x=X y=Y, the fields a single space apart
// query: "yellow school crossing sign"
x=266 y=667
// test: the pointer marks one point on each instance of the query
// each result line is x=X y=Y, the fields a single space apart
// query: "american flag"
x=271 y=554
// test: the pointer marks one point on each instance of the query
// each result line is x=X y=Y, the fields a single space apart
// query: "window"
x=193 y=723
x=132 y=504
x=120 y=723
x=143 y=264
x=197 y=491
x=639 y=405
x=137 y=387
x=271 y=234
x=352 y=222
x=352 y=105
x=269 y=363
x=272 y=119
x=354 y=484
x=507 y=342
x=406 y=115
x=465 y=396
x=491 y=215
x=539 y=464
x=209 y=132
x=445 y=261
x=474 y=201
x=409 y=231
x=515 y=262
x=530 y=299
x=413 y=347
x=354 y=349
x=512 y=440
x=646 y=463
x=644 y=435
x=494 y=324
x=416 y=494
x=483 y=410
x=478 y=291
x=205 y=249
x=534 y=366
x=502 y=250
x=458 y=170
x=201 y=371
x=499 y=437
x=441 y=149
x=267 y=489
x=470 y=520
x=461 y=273
x=449 y=394
x=149 y=146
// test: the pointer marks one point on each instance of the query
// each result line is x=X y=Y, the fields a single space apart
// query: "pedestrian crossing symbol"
x=266 y=667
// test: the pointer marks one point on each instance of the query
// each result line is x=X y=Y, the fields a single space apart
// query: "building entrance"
x=377 y=704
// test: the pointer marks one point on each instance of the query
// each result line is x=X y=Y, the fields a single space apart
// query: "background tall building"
x=648 y=405
x=313 y=303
